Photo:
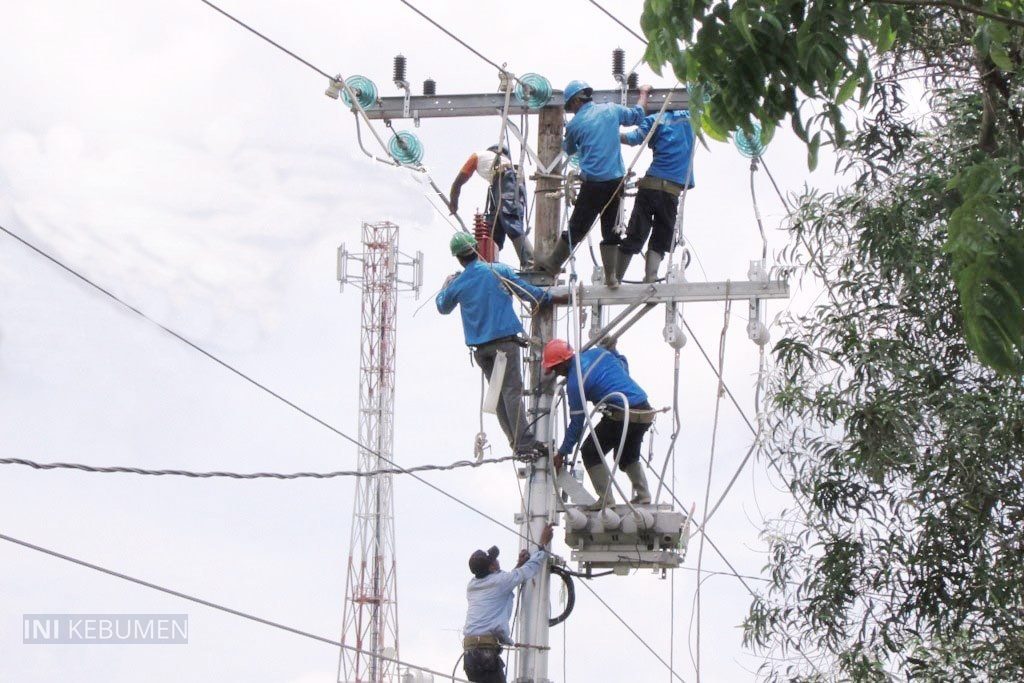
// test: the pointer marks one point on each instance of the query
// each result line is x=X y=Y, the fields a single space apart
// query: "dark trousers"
x=511 y=410
x=484 y=665
x=506 y=201
x=593 y=197
x=609 y=433
x=653 y=209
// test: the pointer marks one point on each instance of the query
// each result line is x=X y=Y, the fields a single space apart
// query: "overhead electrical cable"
x=219 y=607
x=454 y=37
x=619 y=22
x=711 y=464
x=631 y=630
x=252 y=475
x=269 y=40
x=357 y=109
x=252 y=381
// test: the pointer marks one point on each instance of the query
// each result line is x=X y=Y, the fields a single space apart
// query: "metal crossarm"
x=677 y=292
x=491 y=104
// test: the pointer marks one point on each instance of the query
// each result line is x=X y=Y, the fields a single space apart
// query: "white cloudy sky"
x=203 y=176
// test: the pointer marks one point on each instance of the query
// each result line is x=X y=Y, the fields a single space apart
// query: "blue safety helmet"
x=576 y=88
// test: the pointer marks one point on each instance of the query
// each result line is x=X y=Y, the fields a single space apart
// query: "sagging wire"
x=215 y=606
x=94 y=469
x=711 y=463
x=251 y=380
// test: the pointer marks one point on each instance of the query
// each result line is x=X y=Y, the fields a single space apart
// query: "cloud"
x=203 y=228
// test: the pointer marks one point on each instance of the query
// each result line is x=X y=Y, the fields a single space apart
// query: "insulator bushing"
x=618 y=62
x=406 y=148
x=633 y=82
x=399 y=71
x=485 y=245
x=430 y=87
x=365 y=91
x=533 y=90
x=751 y=145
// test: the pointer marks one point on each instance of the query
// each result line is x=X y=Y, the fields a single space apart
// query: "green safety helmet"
x=462 y=243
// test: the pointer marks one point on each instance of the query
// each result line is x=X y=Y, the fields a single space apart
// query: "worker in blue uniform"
x=593 y=133
x=603 y=373
x=491 y=327
x=657 y=196
x=490 y=595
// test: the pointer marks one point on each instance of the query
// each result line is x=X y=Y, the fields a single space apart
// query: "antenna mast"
x=370 y=616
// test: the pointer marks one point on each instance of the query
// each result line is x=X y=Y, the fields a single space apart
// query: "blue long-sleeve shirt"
x=672 y=143
x=490 y=599
x=485 y=303
x=604 y=371
x=594 y=132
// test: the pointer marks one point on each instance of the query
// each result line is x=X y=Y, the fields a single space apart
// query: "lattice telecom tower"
x=370 y=615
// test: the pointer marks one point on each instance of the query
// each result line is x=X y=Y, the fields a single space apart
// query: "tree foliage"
x=812 y=60
x=897 y=409
x=905 y=455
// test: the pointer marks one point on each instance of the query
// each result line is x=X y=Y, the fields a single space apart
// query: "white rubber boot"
x=651 y=264
x=524 y=250
x=637 y=476
x=601 y=478
x=622 y=265
x=559 y=255
x=610 y=263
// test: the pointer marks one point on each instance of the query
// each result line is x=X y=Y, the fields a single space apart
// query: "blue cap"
x=575 y=88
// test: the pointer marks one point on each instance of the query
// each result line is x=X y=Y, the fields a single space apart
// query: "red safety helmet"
x=555 y=352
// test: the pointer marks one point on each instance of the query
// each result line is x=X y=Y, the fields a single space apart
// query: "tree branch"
x=951 y=4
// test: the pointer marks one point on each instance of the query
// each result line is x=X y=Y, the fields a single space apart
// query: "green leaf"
x=712 y=128
x=886 y=35
x=812 y=151
x=847 y=89
x=741 y=22
x=1001 y=58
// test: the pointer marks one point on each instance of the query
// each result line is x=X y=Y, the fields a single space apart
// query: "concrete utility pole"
x=591 y=546
x=534 y=606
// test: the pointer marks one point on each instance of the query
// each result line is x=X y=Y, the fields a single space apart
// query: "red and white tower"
x=370 y=615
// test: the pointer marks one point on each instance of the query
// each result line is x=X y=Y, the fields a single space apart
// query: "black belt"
x=652 y=183
x=514 y=338
x=473 y=642
x=638 y=414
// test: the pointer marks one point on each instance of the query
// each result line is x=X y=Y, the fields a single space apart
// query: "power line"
x=216 y=606
x=185 y=340
x=252 y=475
x=249 y=379
x=269 y=40
x=617 y=21
x=630 y=629
x=454 y=37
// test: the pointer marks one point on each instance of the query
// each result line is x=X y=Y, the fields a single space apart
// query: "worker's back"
x=672 y=143
x=594 y=132
x=490 y=605
x=484 y=303
x=605 y=371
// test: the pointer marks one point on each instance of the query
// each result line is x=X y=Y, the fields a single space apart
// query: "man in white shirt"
x=490 y=594
x=505 y=211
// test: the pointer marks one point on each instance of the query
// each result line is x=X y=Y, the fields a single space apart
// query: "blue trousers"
x=506 y=204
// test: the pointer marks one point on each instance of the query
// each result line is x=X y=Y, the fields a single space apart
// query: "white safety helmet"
x=485 y=162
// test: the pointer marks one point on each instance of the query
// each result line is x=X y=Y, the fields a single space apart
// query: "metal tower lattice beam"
x=370 y=615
